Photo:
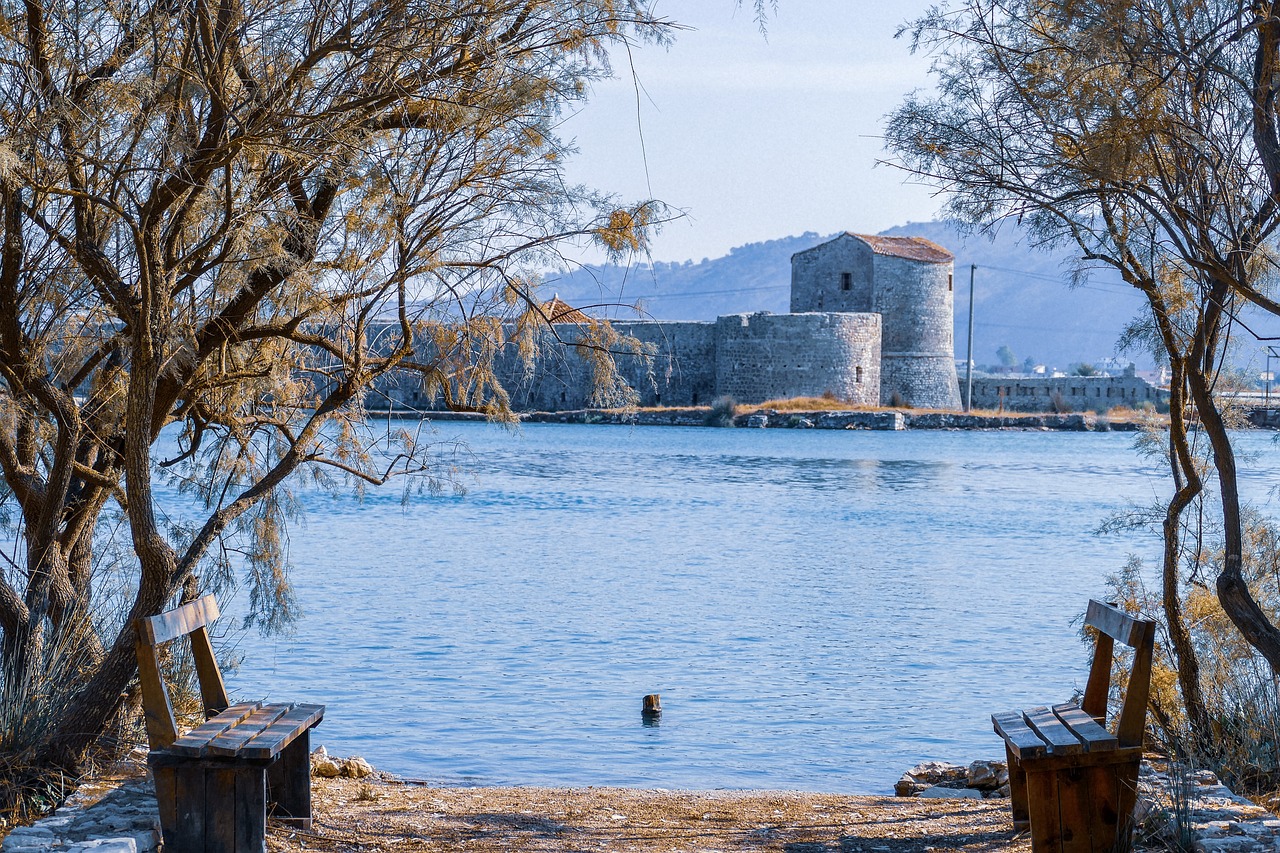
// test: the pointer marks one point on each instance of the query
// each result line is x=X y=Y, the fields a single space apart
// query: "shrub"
x=1240 y=691
x=723 y=410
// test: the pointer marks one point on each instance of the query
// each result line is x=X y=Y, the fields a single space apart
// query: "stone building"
x=870 y=324
x=1067 y=393
x=908 y=281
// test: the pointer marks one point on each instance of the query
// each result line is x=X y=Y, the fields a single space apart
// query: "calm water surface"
x=819 y=610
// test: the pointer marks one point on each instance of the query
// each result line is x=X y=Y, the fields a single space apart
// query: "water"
x=819 y=610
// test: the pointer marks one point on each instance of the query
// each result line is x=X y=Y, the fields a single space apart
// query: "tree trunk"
x=1233 y=593
x=1189 y=486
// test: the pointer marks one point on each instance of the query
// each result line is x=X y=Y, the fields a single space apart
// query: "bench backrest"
x=154 y=631
x=1113 y=624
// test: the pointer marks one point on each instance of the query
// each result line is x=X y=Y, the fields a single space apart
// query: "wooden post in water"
x=651 y=708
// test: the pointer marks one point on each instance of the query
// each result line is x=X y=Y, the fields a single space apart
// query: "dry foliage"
x=225 y=223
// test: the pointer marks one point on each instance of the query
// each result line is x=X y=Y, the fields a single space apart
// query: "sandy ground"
x=379 y=815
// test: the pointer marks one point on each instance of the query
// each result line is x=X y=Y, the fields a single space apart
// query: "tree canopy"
x=224 y=221
x=1147 y=134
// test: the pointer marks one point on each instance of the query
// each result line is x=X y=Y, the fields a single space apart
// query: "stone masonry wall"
x=817 y=282
x=1069 y=393
x=679 y=372
x=918 y=357
x=766 y=356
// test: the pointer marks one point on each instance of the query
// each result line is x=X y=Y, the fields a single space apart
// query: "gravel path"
x=394 y=816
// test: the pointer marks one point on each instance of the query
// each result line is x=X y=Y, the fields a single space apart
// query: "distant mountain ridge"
x=1022 y=299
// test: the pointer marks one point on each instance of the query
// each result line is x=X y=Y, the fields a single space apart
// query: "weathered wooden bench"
x=215 y=783
x=1072 y=782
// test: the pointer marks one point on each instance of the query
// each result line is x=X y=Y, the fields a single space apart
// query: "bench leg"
x=212 y=809
x=181 y=790
x=1078 y=809
x=289 y=783
x=1126 y=798
x=1042 y=809
x=1017 y=791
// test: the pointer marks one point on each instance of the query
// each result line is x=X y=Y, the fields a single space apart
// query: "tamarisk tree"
x=224 y=221
x=1146 y=133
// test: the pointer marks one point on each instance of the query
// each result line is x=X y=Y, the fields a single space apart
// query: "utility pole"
x=968 y=363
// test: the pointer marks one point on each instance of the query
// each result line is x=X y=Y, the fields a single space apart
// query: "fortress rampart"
x=750 y=357
x=870 y=323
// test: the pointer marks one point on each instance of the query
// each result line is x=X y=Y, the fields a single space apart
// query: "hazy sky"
x=755 y=137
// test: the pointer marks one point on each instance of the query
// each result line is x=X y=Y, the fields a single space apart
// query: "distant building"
x=1066 y=393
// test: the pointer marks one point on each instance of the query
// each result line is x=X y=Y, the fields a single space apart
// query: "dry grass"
x=395 y=817
x=810 y=404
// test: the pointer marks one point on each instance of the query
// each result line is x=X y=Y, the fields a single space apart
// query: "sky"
x=754 y=136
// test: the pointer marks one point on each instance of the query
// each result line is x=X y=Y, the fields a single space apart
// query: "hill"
x=1022 y=299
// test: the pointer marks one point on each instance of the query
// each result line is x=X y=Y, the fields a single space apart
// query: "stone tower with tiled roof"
x=908 y=282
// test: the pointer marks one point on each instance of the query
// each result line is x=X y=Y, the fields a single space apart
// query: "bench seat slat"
x=283 y=732
x=194 y=742
x=1049 y=727
x=229 y=743
x=1022 y=740
x=1085 y=727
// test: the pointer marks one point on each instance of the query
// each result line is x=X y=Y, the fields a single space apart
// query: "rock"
x=356 y=767
x=105 y=845
x=926 y=775
x=758 y=421
x=951 y=793
x=326 y=768
x=908 y=787
x=985 y=775
x=322 y=765
x=937 y=772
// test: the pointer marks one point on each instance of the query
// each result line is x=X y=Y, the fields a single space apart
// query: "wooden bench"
x=1073 y=783
x=215 y=784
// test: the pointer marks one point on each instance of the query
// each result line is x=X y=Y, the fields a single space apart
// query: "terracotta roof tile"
x=911 y=248
x=559 y=312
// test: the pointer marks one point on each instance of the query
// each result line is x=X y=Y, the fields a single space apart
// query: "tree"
x=1084 y=368
x=1146 y=134
x=1006 y=356
x=223 y=223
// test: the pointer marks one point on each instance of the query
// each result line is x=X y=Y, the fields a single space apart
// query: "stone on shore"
x=983 y=778
x=327 y=767
x=356 y=767
x=951 y=793
x=324 y=766
x=930 y=774
x=987 y=775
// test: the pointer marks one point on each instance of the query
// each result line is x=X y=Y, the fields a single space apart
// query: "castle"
x=870 y=324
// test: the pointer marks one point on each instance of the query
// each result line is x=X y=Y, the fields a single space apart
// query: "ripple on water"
x=818 y=609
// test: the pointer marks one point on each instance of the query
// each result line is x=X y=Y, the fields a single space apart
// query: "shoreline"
x=116 y=812
x=850 y=419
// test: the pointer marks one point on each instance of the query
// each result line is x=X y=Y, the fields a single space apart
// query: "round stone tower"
x=908 y=282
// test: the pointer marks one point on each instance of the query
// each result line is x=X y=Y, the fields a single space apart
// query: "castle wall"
x=1065 y=393
x=765 y=356
x=678 y=371
x=914 y=299
x=682 y=372
x=818 y=277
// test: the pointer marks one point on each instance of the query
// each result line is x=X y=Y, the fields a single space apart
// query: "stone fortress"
x=870 y=324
